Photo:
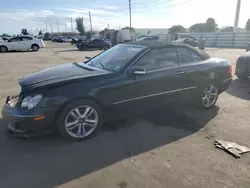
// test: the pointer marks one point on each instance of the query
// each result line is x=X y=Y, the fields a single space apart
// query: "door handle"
x=179 y=73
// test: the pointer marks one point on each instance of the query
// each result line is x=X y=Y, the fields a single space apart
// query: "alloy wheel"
x=35 y=48
x=210 y=95
x=3 y=49
x=81 y=121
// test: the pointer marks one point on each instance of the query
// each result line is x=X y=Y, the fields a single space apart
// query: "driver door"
x=158 y=84
x=14 y=44
x=93 y=43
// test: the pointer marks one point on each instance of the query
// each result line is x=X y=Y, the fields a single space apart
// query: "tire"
x=106 y=48
x=242 y=76
x=35 y=47
x=208 y=97
x=75 y=123
x=3 y=49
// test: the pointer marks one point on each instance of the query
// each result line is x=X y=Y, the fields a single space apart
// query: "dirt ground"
x=159 y=149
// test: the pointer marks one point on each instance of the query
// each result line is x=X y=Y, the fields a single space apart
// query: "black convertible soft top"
x=160 y=44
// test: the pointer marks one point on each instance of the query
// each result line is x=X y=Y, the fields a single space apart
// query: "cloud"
x=107 y=7
x=86 y=11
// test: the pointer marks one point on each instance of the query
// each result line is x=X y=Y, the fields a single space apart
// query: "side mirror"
x=138 y=71
x=87 y=57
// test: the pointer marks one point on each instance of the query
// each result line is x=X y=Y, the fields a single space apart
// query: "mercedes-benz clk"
x=77 y=98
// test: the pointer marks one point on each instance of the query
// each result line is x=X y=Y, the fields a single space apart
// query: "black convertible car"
x=243 y=66
x=77 y=98
x=93 y=44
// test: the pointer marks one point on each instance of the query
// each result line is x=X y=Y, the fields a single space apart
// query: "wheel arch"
x=78 y=99
x=35 y=44
x=4 y=46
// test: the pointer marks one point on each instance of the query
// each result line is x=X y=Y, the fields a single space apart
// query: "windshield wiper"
x=103 y=66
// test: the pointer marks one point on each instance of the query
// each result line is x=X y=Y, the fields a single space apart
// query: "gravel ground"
x=159 y=149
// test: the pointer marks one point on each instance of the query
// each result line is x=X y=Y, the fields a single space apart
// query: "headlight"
x=30 y=102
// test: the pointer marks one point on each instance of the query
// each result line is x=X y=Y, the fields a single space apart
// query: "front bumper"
x=28 y=123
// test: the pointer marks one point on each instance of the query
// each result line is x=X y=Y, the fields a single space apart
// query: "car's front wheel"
x=80 y=120
x=209 y=96
x=3 y=49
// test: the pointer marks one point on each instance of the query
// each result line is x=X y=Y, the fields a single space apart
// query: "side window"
x=26 y=38
x=94 y=41
x=187 y=56
x=158 y=59
x=16 y=39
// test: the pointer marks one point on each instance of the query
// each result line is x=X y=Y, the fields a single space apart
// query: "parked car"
x=77 y=98
x=20 y=43
x=93 y=44
x=248 y=47
x=67 y=39
x=242 y=70
x=148 y=38
x=59 y=39
x=192 y=41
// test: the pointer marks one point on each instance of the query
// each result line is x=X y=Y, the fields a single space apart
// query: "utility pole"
x=65 y=27
x=108 y=26
x=46 y=29
x=237 y=15
x=58 y=27
x=51 y=28
x=83 y=22
x=90 y=22
x=130 y=22
x=71 y=24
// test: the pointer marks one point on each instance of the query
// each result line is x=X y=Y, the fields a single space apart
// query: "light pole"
x=237 y=15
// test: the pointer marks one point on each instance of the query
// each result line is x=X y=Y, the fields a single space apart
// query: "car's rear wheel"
x=106 y=48
x=3 y=49
x=242 y=76
x=35 y=47
x=209 y=96
x=80 y=120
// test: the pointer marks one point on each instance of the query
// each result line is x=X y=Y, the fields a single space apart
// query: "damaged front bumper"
x=27 y=123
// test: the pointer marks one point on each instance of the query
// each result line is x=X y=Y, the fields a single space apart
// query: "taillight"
x=230 y=69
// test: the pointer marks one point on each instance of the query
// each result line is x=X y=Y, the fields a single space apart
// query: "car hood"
x=59 y=74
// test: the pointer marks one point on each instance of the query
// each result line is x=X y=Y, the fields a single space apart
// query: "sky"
x=36 y=15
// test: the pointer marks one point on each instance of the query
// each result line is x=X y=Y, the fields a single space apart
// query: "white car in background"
x=20 y=43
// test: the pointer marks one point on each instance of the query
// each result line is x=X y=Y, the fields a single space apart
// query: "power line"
x=163 y=7
x=152 y=3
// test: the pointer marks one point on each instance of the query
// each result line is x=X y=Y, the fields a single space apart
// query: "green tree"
x=197 y=28
x=130 y=28
x=176 y=29
x=103 y=32
x=227 y=29
x=24 y=32
x=80 y=26
x=40 y=32
x=5 y=35
x=211 y=25
x=248 y=25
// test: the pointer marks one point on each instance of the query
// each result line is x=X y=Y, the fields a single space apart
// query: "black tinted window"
x=187 y=56
x=158 y=59
x=94 y=40
x=26 y=38
x=16 y=39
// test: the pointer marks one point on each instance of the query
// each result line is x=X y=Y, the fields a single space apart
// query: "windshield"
x=115 y=58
